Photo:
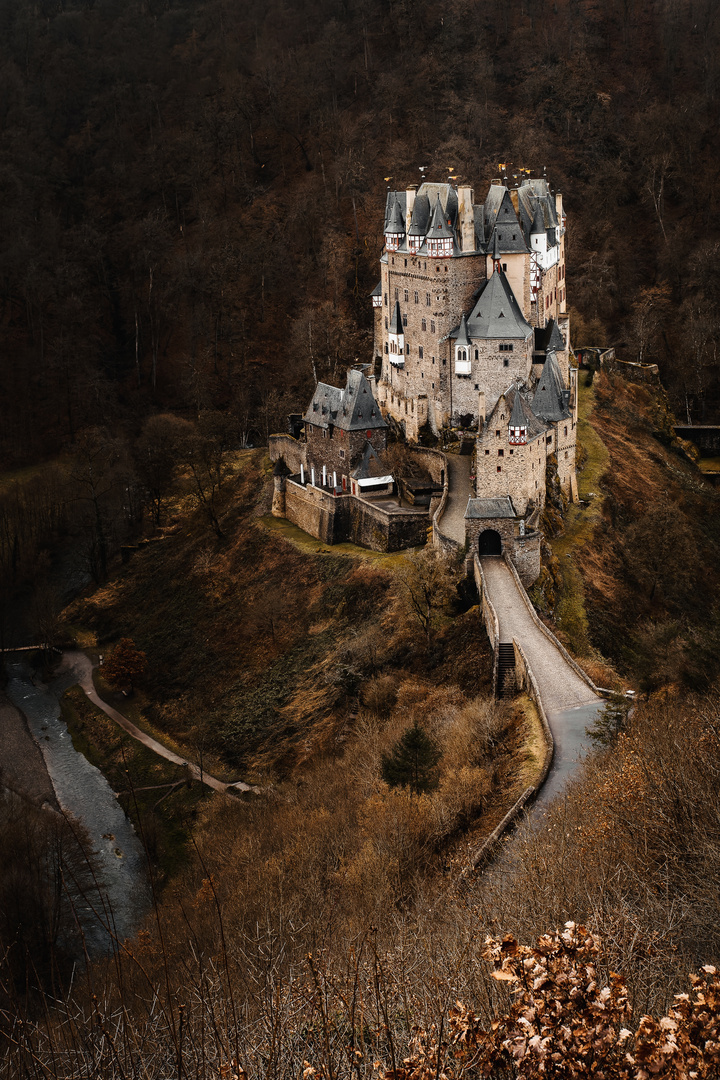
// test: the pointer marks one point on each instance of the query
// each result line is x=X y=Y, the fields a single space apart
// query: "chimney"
x=481 y=411
x=410 y=194
x=466 y=218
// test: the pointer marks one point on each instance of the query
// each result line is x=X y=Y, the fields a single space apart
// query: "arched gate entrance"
x=489 y=543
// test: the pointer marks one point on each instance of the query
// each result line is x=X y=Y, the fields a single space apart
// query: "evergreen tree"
x=412 y=762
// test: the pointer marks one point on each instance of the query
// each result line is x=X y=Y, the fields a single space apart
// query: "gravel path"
x=452 y=523
x=82 y=668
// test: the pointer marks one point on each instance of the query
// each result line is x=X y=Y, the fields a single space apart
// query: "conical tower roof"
x=396 y=324
x=462 y=334
x=439 y=228
x=538 y=225
x=395 y=222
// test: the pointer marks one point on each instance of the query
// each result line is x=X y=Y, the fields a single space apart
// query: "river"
x=83 y=792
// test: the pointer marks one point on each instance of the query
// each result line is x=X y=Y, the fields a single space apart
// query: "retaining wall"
x=336 y=519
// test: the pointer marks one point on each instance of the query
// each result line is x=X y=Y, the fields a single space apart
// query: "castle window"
x=505 y=346
x=342 y=453
x=549 y=439
x=487 y=451
x=406 y=262
x=407 y=349
x=404 y=320
x=444 y=361
x=386 y=347
x=396 y=294
x=406 y=296
x=417 y=298
x=420 y=351
x=499 y=468
x=511 y=452
x=424 y=324
x=504 y=266
x=477 y=355
x=506 y=363
x=566 y=429
x=566 y=453
x=386 y=322
x=433 y=386
x=386 y=303
x=427 y=299
x=432 y=326
x=477 y=386
x=501 y=452
x=497 y=434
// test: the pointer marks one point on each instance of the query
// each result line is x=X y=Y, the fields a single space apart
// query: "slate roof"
x=497 y=313
x=517 y=416
x=439 y=227
x=351 y=409
x=519 y=406
x=396 y=220
x=396 y=323
x=533 y=194
x=549 y=338
x=491 y=508
x=377 y=291
x=368 y=465
x=538 y=225
x=549 y=400
x=420 y=216
x=462 y=335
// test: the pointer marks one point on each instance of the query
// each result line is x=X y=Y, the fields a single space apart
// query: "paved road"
x=569 y=703
x=82 y=668
x=452 y=523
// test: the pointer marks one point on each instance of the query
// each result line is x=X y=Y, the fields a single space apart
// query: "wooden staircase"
x=506 y=680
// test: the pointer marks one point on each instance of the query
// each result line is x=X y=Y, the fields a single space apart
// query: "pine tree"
x=412 y=762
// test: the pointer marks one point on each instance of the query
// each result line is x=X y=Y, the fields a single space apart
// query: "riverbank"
x=83 y=794
x=23 y=769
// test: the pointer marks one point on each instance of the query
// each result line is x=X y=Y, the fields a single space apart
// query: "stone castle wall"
x=444 y=289
x=290 y=449
x=338 y=519
x=521 y=472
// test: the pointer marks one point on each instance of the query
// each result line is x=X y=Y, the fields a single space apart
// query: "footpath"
x=82 y=668
x=570 y=705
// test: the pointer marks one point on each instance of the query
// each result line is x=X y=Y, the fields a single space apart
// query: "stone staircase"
x=506 y=680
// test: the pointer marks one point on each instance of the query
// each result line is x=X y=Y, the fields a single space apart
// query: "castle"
x=470 y=331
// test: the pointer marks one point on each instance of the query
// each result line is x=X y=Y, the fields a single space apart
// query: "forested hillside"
x=192 y=193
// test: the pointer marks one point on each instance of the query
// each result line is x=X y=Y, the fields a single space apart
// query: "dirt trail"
x=82 y=668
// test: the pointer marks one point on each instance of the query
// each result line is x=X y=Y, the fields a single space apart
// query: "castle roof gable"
x=549 y=401
x=497 y=313
x=351 y=409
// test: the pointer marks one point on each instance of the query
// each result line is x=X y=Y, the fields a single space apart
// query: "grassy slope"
x=600 y=607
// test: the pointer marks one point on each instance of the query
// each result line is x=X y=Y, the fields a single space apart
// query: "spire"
x=462 y=334
x=396 y=223
x=538 y=225
x=395 y=228
x=517 y=433
x=496 y=252
x=439 y=228
x=396 y=324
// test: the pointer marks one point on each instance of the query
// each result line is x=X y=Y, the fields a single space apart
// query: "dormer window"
x=393 y=241
x=517 y=436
